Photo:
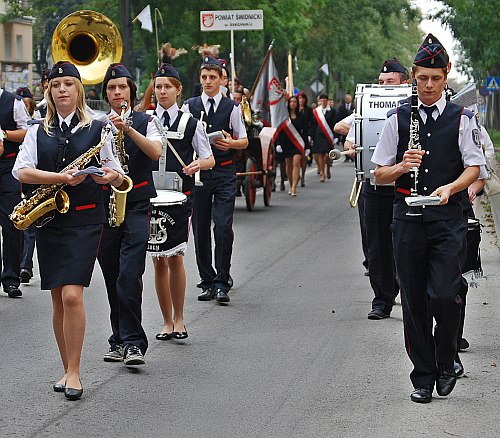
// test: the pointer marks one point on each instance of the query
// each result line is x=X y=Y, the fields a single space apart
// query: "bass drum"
x=373 y=102
x=168 y=224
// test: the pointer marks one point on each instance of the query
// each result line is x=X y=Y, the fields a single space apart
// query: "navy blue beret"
x=167 y=70
x=45 y=74
x=64 y=68
x=24 y=92
x=431 y=54
x=210 y=61
x=115 y=71
x=393 y=66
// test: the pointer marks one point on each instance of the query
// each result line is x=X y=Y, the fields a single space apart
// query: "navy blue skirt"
x=66 y=255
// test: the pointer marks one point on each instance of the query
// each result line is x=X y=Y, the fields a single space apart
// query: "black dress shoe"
x=230 y=282
x=13 y=291
x=222 y=297
x=207 y=294
x=463 y=344
x=446 y=379
x=59 y=387
x=378 y=314
x=72 y=393
x=458 y=366
x=25 y=275
x=422 y=394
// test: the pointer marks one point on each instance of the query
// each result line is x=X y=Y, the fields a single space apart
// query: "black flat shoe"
x=164 y=336
x=180 y=335
x=422 y=395
x=59 y=387
x=72 y=393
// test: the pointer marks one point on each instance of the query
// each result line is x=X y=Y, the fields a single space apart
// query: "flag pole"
x=290 y=75
x=156 y=32
x=259 y=74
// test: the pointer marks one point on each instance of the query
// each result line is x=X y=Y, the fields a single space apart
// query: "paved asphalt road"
x=293 y=355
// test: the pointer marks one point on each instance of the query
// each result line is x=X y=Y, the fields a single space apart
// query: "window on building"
x=8 y=45
x=19 y=47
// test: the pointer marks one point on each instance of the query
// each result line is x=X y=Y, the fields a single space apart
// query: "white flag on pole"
x=269 y=96
x=145 y=18
x=324 y=69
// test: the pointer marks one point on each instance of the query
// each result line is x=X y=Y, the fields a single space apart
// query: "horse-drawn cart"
x=256 y=167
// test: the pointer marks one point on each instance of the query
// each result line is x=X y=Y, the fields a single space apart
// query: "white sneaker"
x=133 y=356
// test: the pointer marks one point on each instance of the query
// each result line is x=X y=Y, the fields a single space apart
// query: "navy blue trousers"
x=214 y=201
x=428 y=262
x=12 y=238
x=122 y=257
x=378 y=202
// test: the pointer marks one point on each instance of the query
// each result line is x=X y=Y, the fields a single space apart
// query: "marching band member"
x=122 y=254
x=14 y=123
x=428 y=246
x=170 y=276
x=322 y=135
x=67 y=245
x=41 y=108
x=215 y=199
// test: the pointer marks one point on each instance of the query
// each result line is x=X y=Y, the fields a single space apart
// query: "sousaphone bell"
x=89 y=40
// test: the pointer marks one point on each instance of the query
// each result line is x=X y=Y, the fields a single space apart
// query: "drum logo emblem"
x=207 y=20
x=157 y=231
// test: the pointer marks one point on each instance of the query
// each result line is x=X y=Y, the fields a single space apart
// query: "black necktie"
x=211 y=111
x=429 y=110
x=64 y=129
x=166 y=119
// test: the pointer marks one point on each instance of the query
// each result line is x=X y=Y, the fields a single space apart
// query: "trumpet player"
x=446 y=151
x=122 y=252
x=67 y=245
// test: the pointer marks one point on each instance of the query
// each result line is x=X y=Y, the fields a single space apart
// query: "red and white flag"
x=269 y=95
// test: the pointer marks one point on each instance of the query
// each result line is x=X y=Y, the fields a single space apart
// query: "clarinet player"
x=67 y=245
x=122 y=253
x=427 y=247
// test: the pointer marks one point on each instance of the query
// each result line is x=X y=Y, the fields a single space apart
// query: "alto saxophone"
x=39 y=208
x=118 y=198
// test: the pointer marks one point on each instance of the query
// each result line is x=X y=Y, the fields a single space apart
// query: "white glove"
x=279 y=149
x=308 y=152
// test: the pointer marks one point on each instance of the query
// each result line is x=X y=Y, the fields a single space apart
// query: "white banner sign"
x=232 y=20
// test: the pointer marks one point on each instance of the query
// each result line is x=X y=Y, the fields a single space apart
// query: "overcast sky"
x=442 y=34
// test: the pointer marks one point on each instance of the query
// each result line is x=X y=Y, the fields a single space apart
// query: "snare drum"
x=373 y=102
x=473 y=262
x=169 y=224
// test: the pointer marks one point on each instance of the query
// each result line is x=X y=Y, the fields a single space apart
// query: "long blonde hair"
x=51 y=119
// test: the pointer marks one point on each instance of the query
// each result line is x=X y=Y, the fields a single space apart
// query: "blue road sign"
x=493 y=82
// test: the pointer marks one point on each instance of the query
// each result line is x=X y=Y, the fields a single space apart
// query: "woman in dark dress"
x=67 y=244
x=292 y=138
x=306 y=112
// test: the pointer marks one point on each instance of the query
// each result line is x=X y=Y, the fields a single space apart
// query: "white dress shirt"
x=28 y=151
x=21 y=115
x=200 y=140
x=387 y=146
x=236 y=122
x=152 y=132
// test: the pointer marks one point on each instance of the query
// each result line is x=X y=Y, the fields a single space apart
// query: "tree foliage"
x=353 y=37
x=476 y=25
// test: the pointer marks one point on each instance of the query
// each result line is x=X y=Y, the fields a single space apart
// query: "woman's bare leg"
x=162 y=286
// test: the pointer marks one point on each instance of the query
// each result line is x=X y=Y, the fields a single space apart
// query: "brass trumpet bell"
x=89 y=40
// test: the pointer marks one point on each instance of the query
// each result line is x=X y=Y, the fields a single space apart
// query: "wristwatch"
x=5 y=134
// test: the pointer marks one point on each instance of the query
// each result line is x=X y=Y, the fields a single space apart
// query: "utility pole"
x=126 y=31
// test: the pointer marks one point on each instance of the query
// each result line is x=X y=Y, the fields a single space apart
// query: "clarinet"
x=414 y=143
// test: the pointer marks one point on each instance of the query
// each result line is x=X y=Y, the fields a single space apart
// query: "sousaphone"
x=89 y=40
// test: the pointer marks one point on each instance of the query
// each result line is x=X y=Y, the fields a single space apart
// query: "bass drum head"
x=373 y=102
x=169 y=197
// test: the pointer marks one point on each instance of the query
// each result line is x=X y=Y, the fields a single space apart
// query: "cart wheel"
x=269 y=177
x=250 y=183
